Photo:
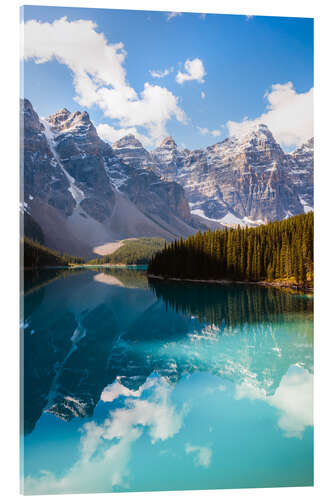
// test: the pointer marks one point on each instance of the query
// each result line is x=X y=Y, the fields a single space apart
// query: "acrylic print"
x=167 y=239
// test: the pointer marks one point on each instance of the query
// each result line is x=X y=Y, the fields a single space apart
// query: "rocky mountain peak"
x=261 y=127
x=169 y=158
x=305 y=148
x=131 y=152
x=260 y=134
x=128 y=141
x=30 y=117
x=59 y=117
x=169 y=143
x=81 y=116
x=310 y=143
x=63 y=120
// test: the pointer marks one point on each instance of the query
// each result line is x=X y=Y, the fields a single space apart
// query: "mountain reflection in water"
x=106 y=336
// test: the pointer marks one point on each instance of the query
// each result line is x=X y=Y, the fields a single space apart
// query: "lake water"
x=137 y=386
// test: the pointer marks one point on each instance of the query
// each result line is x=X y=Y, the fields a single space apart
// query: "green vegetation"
x=278 y=251
x=232 y=304
x=136 y=251
x=36 y=278
x=32 y=229
x=37 y=255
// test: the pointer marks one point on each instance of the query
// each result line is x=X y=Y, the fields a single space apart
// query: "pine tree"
x=278 y=250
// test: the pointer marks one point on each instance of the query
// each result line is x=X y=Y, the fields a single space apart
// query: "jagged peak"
x=26 y=103
x=31 y=118
x=63 y=120
x=26 y=106
x=127 y=140
x=84 y=115
x=169 y=142
x=225 y=142
x=259 y=133
x=307 y=146
x=260 y=129
x=63 y=111
x=261 y=126
x=62 y=114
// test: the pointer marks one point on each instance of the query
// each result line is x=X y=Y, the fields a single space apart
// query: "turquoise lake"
x=137 y=385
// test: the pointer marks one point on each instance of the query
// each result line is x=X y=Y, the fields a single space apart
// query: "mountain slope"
x=82 y=195
x=240 y=180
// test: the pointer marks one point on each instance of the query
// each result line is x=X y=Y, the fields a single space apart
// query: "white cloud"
x=105 y=448
x=289 y=116
x=159 y=73
x=113 y=391
x=194 y=70
x=202 y=454
x=249 y=17
x=293 y=398
x=99 y=75
x=206 y=131
x=172 y=15
x=111 y=134
x=203 y=95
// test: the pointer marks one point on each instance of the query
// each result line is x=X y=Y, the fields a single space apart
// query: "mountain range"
x=80 y=192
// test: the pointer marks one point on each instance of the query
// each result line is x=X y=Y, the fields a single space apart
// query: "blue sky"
x=237 y=61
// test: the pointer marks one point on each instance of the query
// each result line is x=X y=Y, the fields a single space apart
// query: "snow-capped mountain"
x=301 y=173
x=242 y=180
x=247 y=180
x=169 y=158
x=131 y=152
x=82 y=195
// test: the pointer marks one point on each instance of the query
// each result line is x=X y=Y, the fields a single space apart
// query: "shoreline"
x=75 y=266
x=113 y=265
x=274 y=284
x=230 y=282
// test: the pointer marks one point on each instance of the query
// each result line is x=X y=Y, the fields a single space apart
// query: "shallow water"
x=134 y=386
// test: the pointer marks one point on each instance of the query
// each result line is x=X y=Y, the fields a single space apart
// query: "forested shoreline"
x=136 y=251
x=36 y=255
x=280 y=252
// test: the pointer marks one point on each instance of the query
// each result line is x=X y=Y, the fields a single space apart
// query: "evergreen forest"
x=37 y=255
x=277 y=251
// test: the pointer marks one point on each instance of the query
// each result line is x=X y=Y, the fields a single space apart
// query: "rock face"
x=43 y=177
x=168 y=158
x=301 y=173
x=132 y=153
x=240 y=180
x=83 y=195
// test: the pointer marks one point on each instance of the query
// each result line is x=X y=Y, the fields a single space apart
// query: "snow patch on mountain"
x=50 y=135
x=306 y=207
x=229 y=220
